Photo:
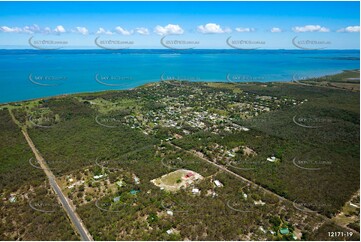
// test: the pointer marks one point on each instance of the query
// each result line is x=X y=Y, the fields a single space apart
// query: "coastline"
x=153 y=82
x=122 y=69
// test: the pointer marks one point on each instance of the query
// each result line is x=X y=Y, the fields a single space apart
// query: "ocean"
x=29 y=74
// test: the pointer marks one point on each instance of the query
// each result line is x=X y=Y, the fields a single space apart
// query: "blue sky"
x=266 y=25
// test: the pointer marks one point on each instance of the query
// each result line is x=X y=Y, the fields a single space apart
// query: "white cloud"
x=103 y=31
x=32 y=29
x=47 y=30
x=276 y=30
x=26 y=29
x=81 y=30
x=142 y=31
x=310 y=28
x=241 y=30
x=212 y=28
x=59 y=29
x=7 y=29
x=122 y=31
x=350 y=29
x=169 y=29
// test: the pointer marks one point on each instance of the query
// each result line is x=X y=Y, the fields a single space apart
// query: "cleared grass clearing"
x=177 y=179
x=106 y=106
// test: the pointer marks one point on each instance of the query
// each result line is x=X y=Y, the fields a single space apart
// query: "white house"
x=98 y=177
x=354 y=205
x=218 y=183
x=12 y=199
x=259 y=203
x=119 y=183
x=271 y=159
x=136 y=179
x=262 y=229
x=196 y=191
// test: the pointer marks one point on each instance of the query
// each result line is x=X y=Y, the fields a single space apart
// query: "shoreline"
x=152 y=82
x=164 y=49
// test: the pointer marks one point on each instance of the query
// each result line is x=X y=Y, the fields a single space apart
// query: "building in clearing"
x=120 y=183
x=262 y=229
x=176 y=180
x=354 y=205
x=12 y=199
x=284 y=231
x=218 y=183
x=136 y=179
x=189 y=175
x=134 y=192
x=196 y=191
x=259 y=202
x=271 y=159
x=98 y=177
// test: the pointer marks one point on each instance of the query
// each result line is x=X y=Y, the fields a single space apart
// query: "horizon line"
x=170 y=49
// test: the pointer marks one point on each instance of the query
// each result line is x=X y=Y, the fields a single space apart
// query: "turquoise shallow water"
x=28 y=74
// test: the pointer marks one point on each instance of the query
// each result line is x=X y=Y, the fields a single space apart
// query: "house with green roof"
x=284 y=231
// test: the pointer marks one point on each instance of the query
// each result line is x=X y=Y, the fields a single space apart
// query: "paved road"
x=74 y=218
